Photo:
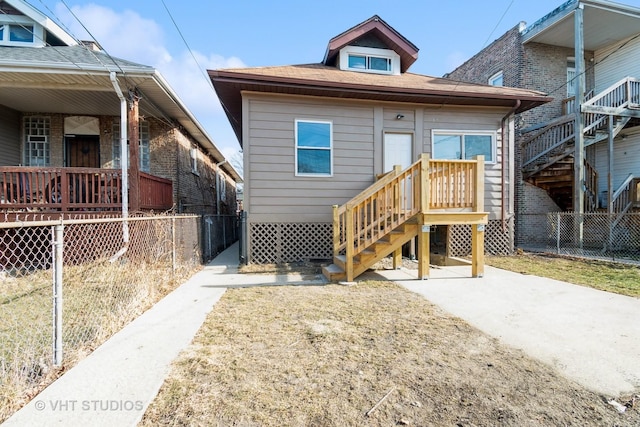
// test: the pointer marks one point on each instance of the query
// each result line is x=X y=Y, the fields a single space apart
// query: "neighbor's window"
x=314 y=144
x=36 y=145
x=143 y=145
x=497 y=79
x=458 y=145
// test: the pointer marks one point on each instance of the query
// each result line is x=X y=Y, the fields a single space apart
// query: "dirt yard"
x=371 y=354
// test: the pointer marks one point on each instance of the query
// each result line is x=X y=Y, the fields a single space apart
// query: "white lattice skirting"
x=496 y=241
x=277 y=243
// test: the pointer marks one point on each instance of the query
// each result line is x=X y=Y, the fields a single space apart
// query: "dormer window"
x=369 y=60
x=19 y=32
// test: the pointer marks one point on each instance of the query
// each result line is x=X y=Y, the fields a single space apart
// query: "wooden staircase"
x=400 y=206
x=548 y=154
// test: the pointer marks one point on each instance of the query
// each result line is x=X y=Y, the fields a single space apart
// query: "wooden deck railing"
x=75 y=189
x=427 y=185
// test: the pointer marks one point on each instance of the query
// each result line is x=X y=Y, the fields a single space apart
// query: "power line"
x=187 y=45
x=497 y=24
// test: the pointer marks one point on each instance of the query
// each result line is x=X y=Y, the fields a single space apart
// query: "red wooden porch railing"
x=75 y=189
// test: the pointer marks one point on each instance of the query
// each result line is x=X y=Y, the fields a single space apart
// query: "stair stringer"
x=375 y=252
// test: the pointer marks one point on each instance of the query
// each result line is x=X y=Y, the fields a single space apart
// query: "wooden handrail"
x=424 y=186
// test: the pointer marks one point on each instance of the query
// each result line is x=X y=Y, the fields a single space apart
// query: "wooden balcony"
x=42 y=189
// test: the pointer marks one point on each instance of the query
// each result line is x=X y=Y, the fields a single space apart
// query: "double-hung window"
x=451 y=145
x=314 y=148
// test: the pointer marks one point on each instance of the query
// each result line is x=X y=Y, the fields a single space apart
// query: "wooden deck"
x=402 y=205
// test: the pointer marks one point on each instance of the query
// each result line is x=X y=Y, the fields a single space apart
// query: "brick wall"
x=531 y=219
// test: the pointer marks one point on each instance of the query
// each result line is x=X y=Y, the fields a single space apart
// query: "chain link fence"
x=218 y=233
x=613 y=237
x=66 y=286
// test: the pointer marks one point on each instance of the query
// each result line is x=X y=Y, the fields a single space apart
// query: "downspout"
x=124 y=160
x=504 y=163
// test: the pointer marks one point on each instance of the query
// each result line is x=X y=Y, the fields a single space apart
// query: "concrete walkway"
x=115 y=384
x=590 y=336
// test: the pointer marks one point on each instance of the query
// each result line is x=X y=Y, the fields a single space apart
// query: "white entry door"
x=398 y=150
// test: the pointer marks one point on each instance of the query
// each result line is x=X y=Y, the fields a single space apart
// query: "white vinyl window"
x=36 y=145
x=497 y=79
x=18 y=30
x=452 y=145
x=369 y=60
x=314 y=148
x=143 y=145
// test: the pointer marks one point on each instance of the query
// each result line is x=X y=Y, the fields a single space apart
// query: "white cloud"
x=129 y=36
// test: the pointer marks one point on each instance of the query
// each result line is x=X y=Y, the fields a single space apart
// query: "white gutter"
x=124 y=159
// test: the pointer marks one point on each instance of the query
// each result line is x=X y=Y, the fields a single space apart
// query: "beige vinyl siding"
x=10 y=153
x=617 y=62
x=274 y=193
x=469 y=120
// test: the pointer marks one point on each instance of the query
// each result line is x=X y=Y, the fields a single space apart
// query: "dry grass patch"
x=330 y=355
x=607 y=276
x=98 y=300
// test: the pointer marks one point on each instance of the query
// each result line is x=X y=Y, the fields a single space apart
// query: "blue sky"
x=169 y=34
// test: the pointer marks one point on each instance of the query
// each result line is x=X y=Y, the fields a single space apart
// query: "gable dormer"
x=371 y=46
x=24 y=26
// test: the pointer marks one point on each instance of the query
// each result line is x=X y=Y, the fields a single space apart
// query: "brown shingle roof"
x=325 y=81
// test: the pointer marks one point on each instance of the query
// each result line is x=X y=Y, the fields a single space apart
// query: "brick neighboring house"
x=542 y=56
x=62 y=104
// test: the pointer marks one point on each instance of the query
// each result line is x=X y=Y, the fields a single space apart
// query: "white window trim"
x=330 y=148
x=495 y=76
x=492 y=134
x=16 y=20
x=370 y=51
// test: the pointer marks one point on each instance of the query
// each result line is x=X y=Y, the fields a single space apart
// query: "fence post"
x=558 y=233
x=58 y=246
x=173 y=244
x=243 y=237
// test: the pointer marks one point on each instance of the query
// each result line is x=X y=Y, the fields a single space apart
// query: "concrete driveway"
x=590 y=336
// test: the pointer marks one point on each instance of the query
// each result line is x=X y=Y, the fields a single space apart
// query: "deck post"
x=478 y=202
x=424 y=243
x=349 y=239
x=424 y=230
x=477 y=250
x=336 y=230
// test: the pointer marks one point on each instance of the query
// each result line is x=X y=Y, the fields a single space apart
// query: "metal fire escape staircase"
x=548 y=153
